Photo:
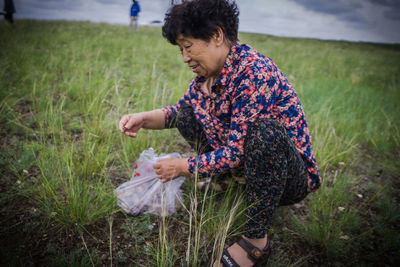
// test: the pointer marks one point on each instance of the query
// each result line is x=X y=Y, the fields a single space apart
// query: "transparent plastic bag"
x=144 y=193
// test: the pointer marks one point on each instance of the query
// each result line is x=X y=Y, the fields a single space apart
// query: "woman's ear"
x=219 y=36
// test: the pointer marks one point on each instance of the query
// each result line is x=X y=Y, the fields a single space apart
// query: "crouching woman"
x=241 y=115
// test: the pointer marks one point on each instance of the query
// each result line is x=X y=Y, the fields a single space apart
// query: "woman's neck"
x=207 y=84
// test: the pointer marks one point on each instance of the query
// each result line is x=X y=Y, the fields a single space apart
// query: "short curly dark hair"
x=201 y=19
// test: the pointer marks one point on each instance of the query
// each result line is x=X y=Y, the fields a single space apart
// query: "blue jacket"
x=135 y=9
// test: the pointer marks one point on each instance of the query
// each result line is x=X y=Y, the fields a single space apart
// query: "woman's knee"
x=262 y=133
x=185 y=117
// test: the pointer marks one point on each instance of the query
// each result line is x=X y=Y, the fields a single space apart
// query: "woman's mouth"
x=195 y=68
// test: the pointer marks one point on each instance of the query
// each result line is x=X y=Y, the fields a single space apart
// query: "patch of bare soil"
x=27 y=237
x=20 y=231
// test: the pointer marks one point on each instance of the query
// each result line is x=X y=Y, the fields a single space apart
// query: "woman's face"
x=204 y=58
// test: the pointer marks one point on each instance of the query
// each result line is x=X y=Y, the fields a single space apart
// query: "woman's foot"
x=240 y=255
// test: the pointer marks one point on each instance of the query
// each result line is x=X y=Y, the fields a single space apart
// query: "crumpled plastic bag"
x=144 y=193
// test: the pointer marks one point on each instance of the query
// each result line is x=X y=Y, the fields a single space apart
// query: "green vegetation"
x=64 y=87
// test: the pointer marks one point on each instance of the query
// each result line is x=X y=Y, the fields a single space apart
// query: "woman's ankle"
x=258 y=242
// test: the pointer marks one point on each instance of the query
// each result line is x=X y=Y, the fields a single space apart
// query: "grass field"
x=64 y=87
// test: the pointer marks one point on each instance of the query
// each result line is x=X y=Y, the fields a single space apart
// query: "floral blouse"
x=249 y=87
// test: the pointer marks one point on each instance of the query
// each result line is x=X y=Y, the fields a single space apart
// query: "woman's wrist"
x=184 y=167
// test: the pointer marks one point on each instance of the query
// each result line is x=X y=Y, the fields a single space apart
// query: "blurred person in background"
x=9 y=10
x=135 y=10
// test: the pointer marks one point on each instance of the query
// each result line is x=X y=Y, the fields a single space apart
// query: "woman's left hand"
x=171 y=168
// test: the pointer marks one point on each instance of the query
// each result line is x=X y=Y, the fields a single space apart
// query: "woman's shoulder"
x=253 y=61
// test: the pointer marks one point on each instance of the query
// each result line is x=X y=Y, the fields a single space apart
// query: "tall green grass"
x=65 y=85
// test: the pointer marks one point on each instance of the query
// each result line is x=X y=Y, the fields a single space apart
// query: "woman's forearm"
x=153 y=119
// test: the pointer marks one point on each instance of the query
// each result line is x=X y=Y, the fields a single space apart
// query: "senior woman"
x=241 y=115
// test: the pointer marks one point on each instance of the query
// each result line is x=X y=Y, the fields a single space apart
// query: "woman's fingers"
x=126 y=123
x=157 y=169
x=164 y=170
x=156 y=165
x=130 y=124
x=131 y=134
x=132 y=121
x=122 y=123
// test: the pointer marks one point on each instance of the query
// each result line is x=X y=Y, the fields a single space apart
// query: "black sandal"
x=257 y=256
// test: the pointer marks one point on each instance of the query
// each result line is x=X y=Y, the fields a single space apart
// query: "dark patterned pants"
x=274 y=171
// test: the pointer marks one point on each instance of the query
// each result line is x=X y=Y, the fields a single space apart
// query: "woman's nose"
x=185 y=56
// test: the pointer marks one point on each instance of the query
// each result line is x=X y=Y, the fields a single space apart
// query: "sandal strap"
x=227 y=260
x=255 y=254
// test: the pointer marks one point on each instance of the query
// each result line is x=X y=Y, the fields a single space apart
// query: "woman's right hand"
x=130 y=124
